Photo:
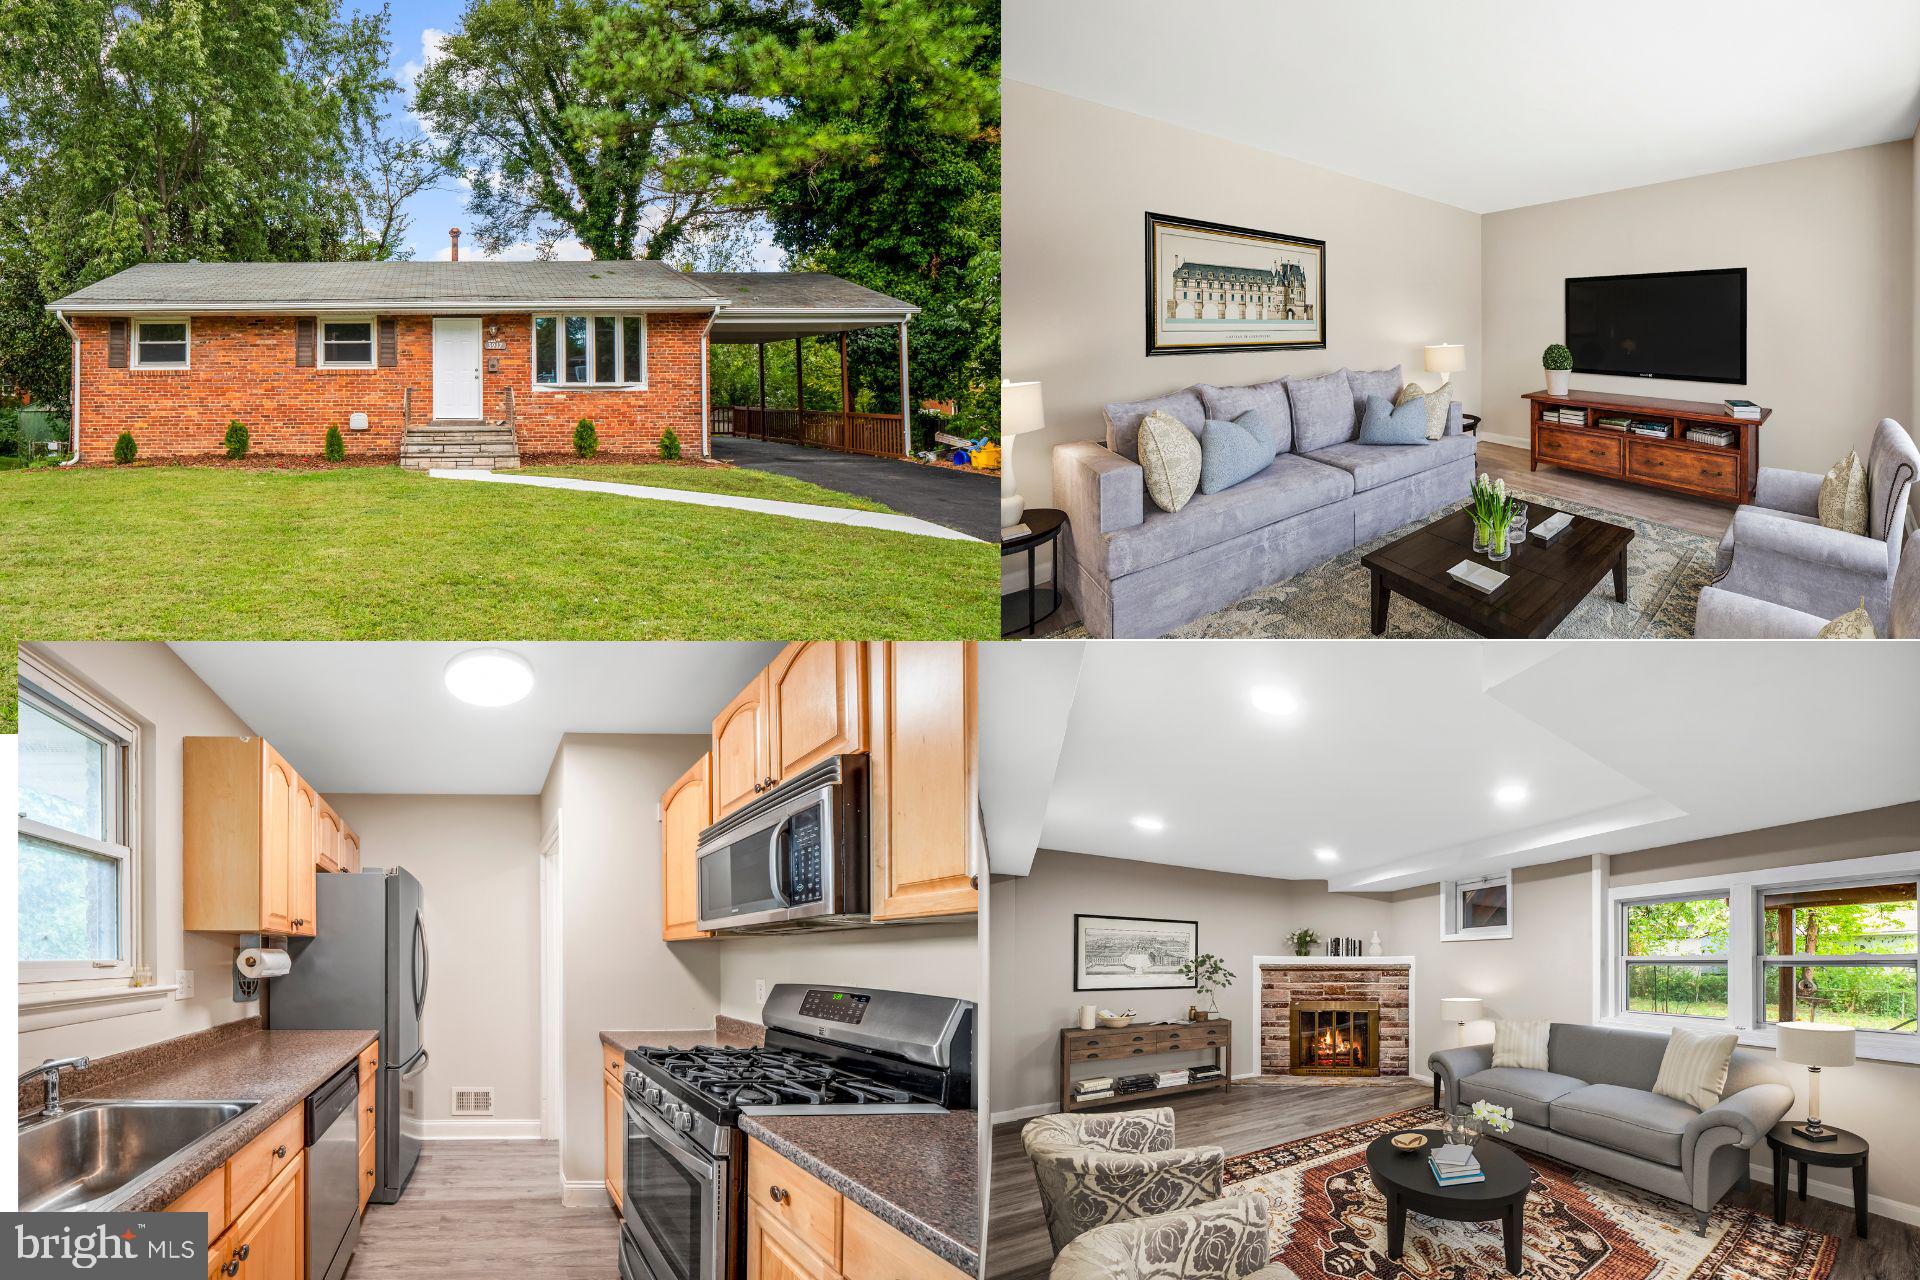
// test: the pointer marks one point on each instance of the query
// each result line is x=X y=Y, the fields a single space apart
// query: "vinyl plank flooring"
x=486 y=1209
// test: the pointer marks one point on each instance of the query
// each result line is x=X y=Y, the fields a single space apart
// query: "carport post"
x=761 y=347
x=800 y=389
x=906 y=401
x=846 y=398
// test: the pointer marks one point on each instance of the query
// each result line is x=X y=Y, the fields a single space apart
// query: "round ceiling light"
x=1510 y=794
x=1275 y=702
x=1326 y=855
x=1147 y=822
x=489 y=677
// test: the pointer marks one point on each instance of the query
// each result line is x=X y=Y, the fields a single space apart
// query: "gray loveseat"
x=1134 y=570
x=1594 y=1107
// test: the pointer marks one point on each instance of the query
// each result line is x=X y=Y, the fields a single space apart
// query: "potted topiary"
x=1558 y=362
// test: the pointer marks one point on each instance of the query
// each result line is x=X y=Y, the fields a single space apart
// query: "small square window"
x=160 y=343
x=346 y=342
x=1478 y=908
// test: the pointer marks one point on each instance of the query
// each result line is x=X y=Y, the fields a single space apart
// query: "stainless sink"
x=96 y=1150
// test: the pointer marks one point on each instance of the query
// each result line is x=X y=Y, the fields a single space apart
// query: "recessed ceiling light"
x=1147 y=822
x=1275 y=702
x=489 y=677
x=1510 y=793
x=1326 y=855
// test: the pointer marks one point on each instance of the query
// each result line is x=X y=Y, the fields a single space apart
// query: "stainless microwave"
x=796 y=858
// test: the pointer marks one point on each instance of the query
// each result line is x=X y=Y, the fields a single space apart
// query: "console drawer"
x=1716 y=473
x=1579 y=449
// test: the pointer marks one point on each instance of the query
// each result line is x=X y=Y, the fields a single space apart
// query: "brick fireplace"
x=1335 y=1016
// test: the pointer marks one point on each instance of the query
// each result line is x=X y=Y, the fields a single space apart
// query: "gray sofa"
x=1134 y=570
x=1594 y=1107
x=1776 y=550
x=1728 y=615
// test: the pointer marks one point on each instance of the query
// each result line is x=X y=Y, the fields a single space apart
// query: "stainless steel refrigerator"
x=366 y=967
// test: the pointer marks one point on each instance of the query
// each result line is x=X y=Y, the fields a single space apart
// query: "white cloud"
x=431 y=40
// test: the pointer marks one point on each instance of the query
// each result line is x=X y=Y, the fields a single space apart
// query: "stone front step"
x=422 y=448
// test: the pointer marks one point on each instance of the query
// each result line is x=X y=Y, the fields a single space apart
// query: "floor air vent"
x=473 y=1102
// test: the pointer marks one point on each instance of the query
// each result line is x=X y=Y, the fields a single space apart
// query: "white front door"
x=456 y=367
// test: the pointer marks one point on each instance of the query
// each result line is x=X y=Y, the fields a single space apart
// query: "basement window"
x=1478 y=908
x=347 y=343
x=589 y=351
x=160 y=344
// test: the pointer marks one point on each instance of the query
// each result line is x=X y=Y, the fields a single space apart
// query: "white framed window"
x=346 y=342
x=77 y=867
x=1674 y=961
x=1479 y=908
x=162 y=343
x=590 y=351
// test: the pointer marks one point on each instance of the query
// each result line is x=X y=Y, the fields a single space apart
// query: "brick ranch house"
x=448 y=363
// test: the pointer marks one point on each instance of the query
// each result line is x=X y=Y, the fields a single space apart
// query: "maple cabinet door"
x=926 y=784
x=740 y=767
x=816 y=704
x=684 y=814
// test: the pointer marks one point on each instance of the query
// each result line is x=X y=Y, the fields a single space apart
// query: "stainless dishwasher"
x=333 y=1174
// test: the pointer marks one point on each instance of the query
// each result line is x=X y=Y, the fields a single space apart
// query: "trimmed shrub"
x=237 y=439
x=586 y=441
x=124 y=448
x=336 y=450
x=669 y=445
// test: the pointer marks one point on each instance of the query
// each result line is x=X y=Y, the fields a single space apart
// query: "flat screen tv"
x=1690 y=326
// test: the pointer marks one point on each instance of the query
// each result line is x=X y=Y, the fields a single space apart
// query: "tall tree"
x=393 y=170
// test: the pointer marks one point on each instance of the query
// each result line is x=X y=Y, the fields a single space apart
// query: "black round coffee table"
x=1406 y=1181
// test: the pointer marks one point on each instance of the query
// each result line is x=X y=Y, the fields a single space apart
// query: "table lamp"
x=1814 y=1045
x=1020 y=412
x=1446 y=359
x=1460 y=1010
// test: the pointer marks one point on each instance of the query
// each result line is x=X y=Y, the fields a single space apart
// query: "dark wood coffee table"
x=1545 y=580
x=1407 y=1183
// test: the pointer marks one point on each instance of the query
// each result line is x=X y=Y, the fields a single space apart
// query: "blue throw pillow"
x=1384 y=424
x=1230 y=452
x=1256 y=421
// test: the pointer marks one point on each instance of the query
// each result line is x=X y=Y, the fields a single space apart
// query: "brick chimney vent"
x=453 y=234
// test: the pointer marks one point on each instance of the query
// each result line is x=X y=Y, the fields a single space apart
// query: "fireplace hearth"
x=1335 y=1038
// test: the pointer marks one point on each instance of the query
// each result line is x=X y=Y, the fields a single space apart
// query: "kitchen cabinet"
x=740 y=769
x=326 y=841
x=267 y=1241
x=249 y=824
x=684 y=814
x=924 y=814
x=816 y=705
x=772 y=1254
x=300 y=860
x=349 y=849
x=614 y=1142
x=799 y=1228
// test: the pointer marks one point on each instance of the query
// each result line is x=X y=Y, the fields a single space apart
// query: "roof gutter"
x=384 y=307
x=73 y=406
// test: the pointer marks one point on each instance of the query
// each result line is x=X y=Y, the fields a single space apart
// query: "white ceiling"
x=1394 y=755
x=1493 y=104
x=378 y=718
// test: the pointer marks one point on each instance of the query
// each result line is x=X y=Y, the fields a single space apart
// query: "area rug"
x=1329 y=1223
x=1666 y=567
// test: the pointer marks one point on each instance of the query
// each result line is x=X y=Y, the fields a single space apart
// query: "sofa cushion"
x=1322 y=410
x=1635 y=1121
x=1234 y=451
x=1521 y=1043
x=1123 y=420
x=1270 y=398
x=1170 y=457
x=1843 y=495
x=1857 y=625
x=1606 y=1055
x=1694 y=1070
x=1383 y=423
x=1439 y=402
x=1385 y=383
x=1527 y=1092
x=1288 y=487
x=1373 y=465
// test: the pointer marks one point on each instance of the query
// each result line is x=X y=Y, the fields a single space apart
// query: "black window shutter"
x=389 y=342
x=303 y=342
x=116 y=344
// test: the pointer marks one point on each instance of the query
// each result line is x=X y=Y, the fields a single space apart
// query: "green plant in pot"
x=1492 y=512
x=1302 y=940
x=1558 y=362
x=1208 y=973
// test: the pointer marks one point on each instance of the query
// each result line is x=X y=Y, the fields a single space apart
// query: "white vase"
x=1373 y=945
x=1557 y=381
x=1087 y=1013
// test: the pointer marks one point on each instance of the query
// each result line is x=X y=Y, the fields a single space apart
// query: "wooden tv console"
x=1724 y=473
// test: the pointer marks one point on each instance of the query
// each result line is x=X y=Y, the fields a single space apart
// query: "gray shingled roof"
x=796 y=290
x=387 y=286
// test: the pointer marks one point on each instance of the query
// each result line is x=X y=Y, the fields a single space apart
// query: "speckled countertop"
x=919 y=1173
x=726 y=1033
x=239 y=1062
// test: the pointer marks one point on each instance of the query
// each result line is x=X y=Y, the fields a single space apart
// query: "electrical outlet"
x=184 y=979
x=760 y=992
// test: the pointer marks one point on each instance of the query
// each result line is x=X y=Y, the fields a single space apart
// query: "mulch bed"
x=298 y=462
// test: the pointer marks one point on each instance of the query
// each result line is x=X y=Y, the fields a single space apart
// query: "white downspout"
x=73 y=427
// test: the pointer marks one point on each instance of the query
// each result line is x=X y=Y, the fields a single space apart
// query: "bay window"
x=589 y=351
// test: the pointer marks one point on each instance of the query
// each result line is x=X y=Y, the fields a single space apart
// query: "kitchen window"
x=346 y=343
x=160 y=344
x=1478 y=908
x=590 y=351
x=1676 y=956
x=76 y=869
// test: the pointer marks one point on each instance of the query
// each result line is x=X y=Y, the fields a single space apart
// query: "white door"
x=456 y=367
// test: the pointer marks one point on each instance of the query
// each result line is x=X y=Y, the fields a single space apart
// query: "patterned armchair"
x=1225 y=1240
x=1095 y=1170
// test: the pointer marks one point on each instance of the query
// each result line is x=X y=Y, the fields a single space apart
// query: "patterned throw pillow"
x=1521 y=1044
x=1384 y=424
x=1694 y=1068
x=1439 y=400
x=1843 y=495
x=1857 y=625
x=1170 y=456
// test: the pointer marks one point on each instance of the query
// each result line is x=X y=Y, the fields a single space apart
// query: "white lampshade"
x=1446 y=357
x=1020 y=408
x=1815 y=1044
x=1460 y=1009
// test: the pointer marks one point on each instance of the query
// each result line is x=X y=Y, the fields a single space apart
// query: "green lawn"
x=736 y=481
x=181 y=553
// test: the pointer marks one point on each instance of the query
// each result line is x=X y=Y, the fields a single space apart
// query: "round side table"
x=1846 y=1150
x=1470 y=424
x=1017 y=608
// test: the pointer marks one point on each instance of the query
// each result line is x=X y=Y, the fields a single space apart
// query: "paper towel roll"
x=263 y=962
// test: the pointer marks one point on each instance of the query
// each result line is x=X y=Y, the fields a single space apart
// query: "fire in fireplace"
x=1335 y=1038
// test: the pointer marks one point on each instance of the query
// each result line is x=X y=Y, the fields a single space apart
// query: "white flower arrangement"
x=1499 y=1119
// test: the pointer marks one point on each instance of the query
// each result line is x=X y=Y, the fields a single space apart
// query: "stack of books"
x=1565 y=417
x=1454 y=1165
x=1660 y=430
x=1093 y=1088
x=1201 y=1074
x=1135 y=1084
x=1168 y=1079
x=1614 y=422
x=1742 y=409
x=1711 y=435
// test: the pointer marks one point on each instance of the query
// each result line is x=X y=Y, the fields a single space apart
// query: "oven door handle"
x=694 y=1161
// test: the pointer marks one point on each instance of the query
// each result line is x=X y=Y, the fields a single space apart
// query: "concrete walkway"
x=694 y=498
x=963 y=500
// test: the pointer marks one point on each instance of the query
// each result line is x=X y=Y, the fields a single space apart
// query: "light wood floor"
x=483 y=1210
x=1249 y=1117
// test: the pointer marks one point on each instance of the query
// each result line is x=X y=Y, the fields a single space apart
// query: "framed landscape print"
x=1124 y=953
x=1212 y=287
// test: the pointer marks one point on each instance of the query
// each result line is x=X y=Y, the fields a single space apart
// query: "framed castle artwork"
x=1211 y=287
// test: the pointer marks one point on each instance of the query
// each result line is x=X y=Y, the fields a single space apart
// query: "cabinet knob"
x=369 y=1110
x=230 y=1269
x=279 y=1153
x=780 y=1194
x=242 y=1252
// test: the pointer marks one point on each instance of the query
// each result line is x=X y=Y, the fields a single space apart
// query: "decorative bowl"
x=1116 y=1022
x=1409 y=1142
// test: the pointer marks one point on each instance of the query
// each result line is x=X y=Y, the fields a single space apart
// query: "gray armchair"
x=1778 y=551
x=1100 y=1169
x=1228 y=1239
x=1727 y=615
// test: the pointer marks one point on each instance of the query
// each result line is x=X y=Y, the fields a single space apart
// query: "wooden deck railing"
x=877 y=434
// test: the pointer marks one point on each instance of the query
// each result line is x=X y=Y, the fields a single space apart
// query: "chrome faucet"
x=50 y=1071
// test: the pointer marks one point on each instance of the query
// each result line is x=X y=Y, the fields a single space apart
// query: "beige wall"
x=476 y=858
x=1402 y=272
x=169 y=703
x=936 y=959
x=1828 y=243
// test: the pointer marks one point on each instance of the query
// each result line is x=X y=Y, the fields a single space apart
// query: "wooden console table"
x=1144 y=1040
x=1722 y=472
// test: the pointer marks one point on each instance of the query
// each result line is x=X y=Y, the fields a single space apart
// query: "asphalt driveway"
x=961 y=500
